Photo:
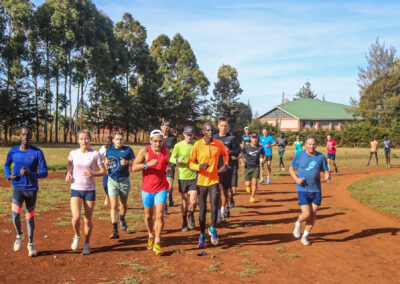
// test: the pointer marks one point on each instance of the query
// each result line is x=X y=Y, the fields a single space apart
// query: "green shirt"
x=183 y=150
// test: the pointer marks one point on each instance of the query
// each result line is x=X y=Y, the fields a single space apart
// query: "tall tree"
x=306 y=91
x=226 y=94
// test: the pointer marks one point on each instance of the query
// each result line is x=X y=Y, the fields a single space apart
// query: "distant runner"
x=204 y=158
x=118 y=159
x=84 y=164
x=282 y=143
x=187 y=179
x=267 y=141
x=309 y=164
x=27 y=159
x=387 y=143
x=251 y=161
x=152 y=160
x=102 y=152
x=169 y=142
x=298 y=145
x=331 y=145
x=374 y=151
x=235 y=174
x=246 y=137
x=225 y=177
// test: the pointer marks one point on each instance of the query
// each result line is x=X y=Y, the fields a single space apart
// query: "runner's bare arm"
x=101 y=171
x=327 y=176
x=294 y=176
x=139 y=161
x=68 y=176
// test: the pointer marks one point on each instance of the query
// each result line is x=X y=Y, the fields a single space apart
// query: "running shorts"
x=150 y=199
x=118 y=188
x=306 y=198
x=253 y=173
x=87 y=195
x=331 y=156
x=187 y=185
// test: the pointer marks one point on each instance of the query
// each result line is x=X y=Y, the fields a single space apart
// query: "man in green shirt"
x=187 y=180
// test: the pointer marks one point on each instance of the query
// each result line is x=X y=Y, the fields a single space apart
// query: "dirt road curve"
x=350 y=244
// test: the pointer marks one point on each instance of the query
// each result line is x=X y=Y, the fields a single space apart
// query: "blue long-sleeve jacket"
x=31 y=159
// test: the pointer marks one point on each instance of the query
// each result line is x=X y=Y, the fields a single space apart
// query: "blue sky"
x=274 y=45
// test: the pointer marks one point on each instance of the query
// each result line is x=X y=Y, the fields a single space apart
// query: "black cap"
x=254 y=135
x=188 y=130
x=165 y=123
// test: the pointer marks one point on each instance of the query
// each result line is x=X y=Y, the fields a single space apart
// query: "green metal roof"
x=316 y=109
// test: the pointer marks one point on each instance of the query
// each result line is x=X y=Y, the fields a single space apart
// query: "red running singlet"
x=154 y=179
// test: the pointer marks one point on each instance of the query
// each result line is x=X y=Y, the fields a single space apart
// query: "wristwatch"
x=144 y=166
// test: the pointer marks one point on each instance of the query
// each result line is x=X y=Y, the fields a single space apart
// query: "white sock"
x=298 y=224
x=305 y=234
x=222 y=210
x=219 y=213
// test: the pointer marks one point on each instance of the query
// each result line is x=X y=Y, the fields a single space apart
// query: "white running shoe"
x=31 y=250
x=18 y=242
x=75 y=243
x=297 y=231
x=86 y=249
x=305 y=241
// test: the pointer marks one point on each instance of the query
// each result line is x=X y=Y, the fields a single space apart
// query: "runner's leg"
x=76 y=204
x=148 y=219
x=253 y=187
x=312 y=217
x=114 y=213
x=202 y=192
x=30 y=202
x=17 y=200
x=159 y=223
x=214 y=197
x=89 y=208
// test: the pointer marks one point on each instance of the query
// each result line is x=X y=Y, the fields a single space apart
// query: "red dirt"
x=356 y=246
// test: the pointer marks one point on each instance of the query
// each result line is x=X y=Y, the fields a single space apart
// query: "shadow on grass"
x=363 y=234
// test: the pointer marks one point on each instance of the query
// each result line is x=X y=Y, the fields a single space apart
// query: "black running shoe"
x=192 y=224
x=165 y=210
x=114 y=235
x=171 y=200
x=122 y=223
x=227 y=213
x=231 y=202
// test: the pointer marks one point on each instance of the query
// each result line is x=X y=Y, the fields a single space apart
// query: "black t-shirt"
x=231 y=143
x=170 y=141
x=252 y=156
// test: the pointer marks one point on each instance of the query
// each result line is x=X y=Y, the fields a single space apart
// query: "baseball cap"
x=165 y=123
x=188 y=130
x=254 y=135
x=246 y=127
x=156 y=132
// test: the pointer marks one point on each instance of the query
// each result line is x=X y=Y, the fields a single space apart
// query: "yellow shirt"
x=374 y=146
x=207 y=153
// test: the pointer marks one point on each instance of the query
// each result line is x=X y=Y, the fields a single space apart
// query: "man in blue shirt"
x=267 y=141
x=118 y=159
x=309 y=163
x=27 y=159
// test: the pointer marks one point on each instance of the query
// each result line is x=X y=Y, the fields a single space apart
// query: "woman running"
x=298 y=145
x=83 y=165
x=103 y=152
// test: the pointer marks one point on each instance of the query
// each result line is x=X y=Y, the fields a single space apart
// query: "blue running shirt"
x=309 y=168
x=267 y=141
x=115 y=170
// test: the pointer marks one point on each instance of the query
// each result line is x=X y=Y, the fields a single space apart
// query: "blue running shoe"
x=214 y=237
x=336 y=171
x=269 y=180
x=202 y=242
x=261 y=180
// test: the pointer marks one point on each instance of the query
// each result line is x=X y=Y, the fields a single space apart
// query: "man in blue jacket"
x=27 y=159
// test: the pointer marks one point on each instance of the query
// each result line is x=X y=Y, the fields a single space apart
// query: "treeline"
x=65 y=47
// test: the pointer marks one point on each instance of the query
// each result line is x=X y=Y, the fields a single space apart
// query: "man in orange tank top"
x=152 y=160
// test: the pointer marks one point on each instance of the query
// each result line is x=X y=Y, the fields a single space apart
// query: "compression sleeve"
x=42 y=167
x=224 y=153
x=7 y=165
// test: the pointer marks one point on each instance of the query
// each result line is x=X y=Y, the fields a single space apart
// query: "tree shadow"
x=363 y=234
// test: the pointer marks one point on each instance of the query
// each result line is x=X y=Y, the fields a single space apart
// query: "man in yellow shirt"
x=374 y=151
x=204 y=158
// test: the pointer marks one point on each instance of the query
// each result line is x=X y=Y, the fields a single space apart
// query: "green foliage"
x=306 y=91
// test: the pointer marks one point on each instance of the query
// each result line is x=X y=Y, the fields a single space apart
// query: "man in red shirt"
x=331 y=145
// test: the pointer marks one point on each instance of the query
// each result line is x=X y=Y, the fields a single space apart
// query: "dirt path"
x=350 y=244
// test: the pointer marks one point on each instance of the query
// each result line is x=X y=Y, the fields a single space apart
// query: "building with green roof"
x=309 y=114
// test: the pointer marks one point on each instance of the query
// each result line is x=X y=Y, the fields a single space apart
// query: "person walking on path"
x=27 y=159
x=267 y=141
x=204 y=158
x=84 y=164
x=308 y=163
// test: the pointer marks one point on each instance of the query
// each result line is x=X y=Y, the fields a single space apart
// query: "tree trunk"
x=76 y=116
x=70 y=105
x=56 y=122
x=65 y=109
x=37 y=111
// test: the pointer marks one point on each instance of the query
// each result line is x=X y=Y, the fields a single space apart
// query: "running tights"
x=281 y=165
x=370 y=156
x=202 y=192
x=19 y=197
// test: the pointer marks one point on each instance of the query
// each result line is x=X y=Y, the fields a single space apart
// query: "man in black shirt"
x=225 y=178
x=169 y=143
x=251 y=162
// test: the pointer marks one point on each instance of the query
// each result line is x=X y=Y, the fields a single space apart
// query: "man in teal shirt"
x=187 y=180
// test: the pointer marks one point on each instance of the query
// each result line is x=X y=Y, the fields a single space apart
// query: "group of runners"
x=207 y=167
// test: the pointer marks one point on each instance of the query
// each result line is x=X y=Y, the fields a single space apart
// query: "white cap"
x=156 y=132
